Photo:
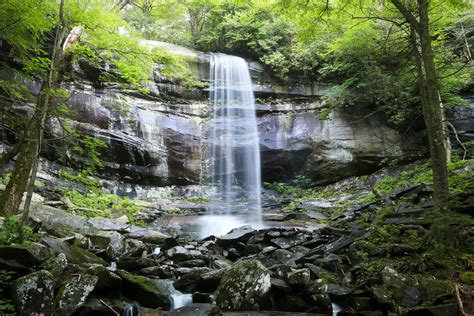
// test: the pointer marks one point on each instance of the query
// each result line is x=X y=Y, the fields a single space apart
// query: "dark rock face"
x=160 y=138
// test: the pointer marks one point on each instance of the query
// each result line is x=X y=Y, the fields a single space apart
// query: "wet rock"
x=399 y=288
x=134 y=247
x=56 y=221
x=286 y=257
x=109 y=241
x=56 y=265
x=107 y=280
x=149 y=236
x=432 y=288
x=339 y=244
x=331 y=262
x=411 y=297
x=23 y=257
x=199 y=297
x=188 y=282
x=280 y=285
x=244 y=287
x=288 y=242
x=135 y=263
x=34 y=294
x=306 y=216
x=209 y=281
x=241 y=234
x=158 y=271
x=273 y=234
x=73 y=253
x=220 y=264
x=316 y=294
x=74 y=293
x=144 y=290
x=298 y=277
x=256 y=239
x=193 y=263
x=268 y=249
x=315 y=270
x=337 y=291
x=178 y=253
x=195 y=309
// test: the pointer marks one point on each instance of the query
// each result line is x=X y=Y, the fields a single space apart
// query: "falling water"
x=233 y=137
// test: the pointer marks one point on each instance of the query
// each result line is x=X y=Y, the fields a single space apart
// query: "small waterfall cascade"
x=177 y=298
x=234 y=152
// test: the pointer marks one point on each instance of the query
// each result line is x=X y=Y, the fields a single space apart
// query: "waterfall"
x=233 y=137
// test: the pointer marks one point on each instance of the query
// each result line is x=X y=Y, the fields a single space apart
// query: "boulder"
x=110 y=242
x=74 y=293
x=135 y=263
x=73 y=253
x=187 y=282
x=144 y=290
x=23 y=257
x=107 y=280
x=298 y=277
x=241 y=234
x=288 y=242
x=244 y=287
x=209 y=281
x=34 y=294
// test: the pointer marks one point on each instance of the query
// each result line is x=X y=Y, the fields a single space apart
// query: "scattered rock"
x=144 y=290
x=288 y=242
x=110 y=242
x=244 y=287
x=74 y=293
x=23 y=257
x=241 y=234
x=187 y=282
x=34 y=294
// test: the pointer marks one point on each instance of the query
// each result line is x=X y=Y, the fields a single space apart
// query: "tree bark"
x=31 y=146
x=430 y=99
x=8 y=156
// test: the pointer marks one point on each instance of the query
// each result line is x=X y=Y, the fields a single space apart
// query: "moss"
x=80 y=255
x=100 y=204
x=467 y=277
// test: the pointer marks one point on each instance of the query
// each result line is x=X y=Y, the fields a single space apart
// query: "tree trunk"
x=433 y=113
x=9 y=156
x=13 y=194
x=31 y=146
x=430 y=99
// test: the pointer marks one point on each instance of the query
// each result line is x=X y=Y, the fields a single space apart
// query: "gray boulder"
x=74 y=293
x=34 y=294
x=244 y=287
x=144 y=290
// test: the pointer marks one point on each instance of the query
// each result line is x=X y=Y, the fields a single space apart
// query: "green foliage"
x=99 y=204
x=460 y=177
x=7 y=307
x=10 y=232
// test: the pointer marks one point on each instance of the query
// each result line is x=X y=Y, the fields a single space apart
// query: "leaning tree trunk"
x=12 y=196
x=433 y=113
x=429 y=95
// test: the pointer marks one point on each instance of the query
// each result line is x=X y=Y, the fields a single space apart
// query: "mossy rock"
x=34 y=293
x=21 y=257
x=244 y=287
x=108 y=281
x=144 y=290
x=74 y=294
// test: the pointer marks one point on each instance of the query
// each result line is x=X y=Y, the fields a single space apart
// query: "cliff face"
x=160 y=138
